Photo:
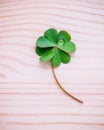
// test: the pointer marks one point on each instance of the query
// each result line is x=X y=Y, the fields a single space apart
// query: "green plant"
x=56 y=48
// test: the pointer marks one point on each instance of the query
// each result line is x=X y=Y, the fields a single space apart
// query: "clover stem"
x=53 y=72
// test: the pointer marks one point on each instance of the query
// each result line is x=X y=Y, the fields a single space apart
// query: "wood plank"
x=29 y=96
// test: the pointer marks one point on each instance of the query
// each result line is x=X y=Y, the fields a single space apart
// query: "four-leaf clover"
x=56 y=47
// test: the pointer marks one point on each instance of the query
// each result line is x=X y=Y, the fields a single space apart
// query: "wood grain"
x=29 y=96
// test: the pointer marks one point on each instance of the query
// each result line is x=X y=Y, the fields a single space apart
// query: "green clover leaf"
x=56 y=48
x=68 y=47
x=48 y=55
x=43 y=42
x=64 y=35
x=51 y=35
x=56 y=60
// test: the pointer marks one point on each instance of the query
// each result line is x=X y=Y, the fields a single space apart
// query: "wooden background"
x=29 y=96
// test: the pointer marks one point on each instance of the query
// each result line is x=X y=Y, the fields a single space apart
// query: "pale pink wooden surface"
x=29 y=96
